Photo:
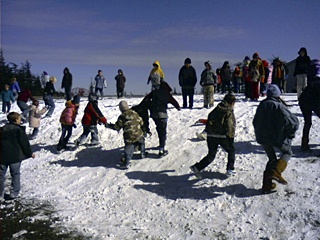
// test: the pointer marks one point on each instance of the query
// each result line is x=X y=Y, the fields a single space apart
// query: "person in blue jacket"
x=275 y=127
x=7 y=99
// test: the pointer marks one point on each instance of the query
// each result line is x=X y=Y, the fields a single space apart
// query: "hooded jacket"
x=121 y=79
x=7 y=96
x=69 y=114
x=187 y=77
x=273 y=122
x=15 y=145
x=35 y=115
x=208 y=77
x=92 y=114
x=221 y=121
x=156 y=75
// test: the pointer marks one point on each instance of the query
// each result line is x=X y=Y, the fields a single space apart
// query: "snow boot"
x=305 y=144
x=276 y=172
x=267 y=184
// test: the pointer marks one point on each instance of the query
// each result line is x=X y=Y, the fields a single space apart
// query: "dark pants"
x=24 y=109
x=120 y=92
x=6 y=106
x=161 y=127
x=99 y=90
x=247 y=89
x=187 y=93
x=66 y=132
x=213 y=143
x=48 y=101
x=307 y=116
x=34 y=133
x=15 y=175
x=226 y=85
x=67 y=91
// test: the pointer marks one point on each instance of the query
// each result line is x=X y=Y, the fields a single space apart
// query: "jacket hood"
x=157 y=63
x=304 y=50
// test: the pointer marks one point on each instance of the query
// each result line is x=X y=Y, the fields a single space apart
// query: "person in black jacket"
x=15 y=147
x=275 y=127
x=67 y=83
x=48 y=93
x=309 y=101
x=187 y=82
x=301 y=69
x=121 y=80
x=158 y=100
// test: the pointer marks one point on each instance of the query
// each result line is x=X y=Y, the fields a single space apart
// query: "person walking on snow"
x=121 y=80
x=67 y=83
x=220 y=129
x=35 y=117
x=275 y=127
x=156 y=75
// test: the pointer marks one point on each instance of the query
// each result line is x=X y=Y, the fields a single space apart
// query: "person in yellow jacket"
x=156 y=75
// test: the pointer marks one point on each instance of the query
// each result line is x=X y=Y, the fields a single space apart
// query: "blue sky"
x=131 y=34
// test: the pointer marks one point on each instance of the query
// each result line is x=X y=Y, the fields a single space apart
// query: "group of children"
x=275 y=127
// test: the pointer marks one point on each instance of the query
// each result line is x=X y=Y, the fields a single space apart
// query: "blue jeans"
x=15 y=175
x=86 y=131
x=48 y=100
x=24 y=109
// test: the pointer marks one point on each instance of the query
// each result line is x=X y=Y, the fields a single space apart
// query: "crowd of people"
x=275 y=126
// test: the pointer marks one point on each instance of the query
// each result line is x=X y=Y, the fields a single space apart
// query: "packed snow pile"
x=159 y=198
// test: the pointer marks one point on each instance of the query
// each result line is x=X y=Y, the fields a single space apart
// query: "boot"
x=305 y=144
x=276 y=172
x=267 y=184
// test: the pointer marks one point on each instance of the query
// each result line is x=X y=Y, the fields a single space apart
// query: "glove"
x=74 y=125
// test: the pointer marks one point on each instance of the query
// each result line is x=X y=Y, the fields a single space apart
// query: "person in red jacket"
x=92 y=116
x=67 y=120
x=22 y=102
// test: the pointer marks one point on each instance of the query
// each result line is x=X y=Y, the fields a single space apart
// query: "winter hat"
x=303 y=49
x=246 y=58
x=76 y=99
x=255 y=55
x=45 y=73
x=273 y=91
x=123 y=106
x=187 y=61
x=207 y=62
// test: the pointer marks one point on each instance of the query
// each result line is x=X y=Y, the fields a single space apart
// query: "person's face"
x=100 y=73
x=302 y=53
x=155 y=66
x=188 y=65
x=207 y=66
x=6 y=87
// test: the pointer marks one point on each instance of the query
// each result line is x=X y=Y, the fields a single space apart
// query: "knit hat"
x=246 y=58
x=76 y=99
x=123 y=106
x=187 y=61
x=273 y=91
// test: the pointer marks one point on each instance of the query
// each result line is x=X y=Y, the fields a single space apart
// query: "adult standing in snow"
x=48 y=93
x=156 y=75
x=275 y=127
x=121 y=80
x=246 y=77
x=14 y=87
x=158 y=101
x=99 y=84
x=208 y=81
x=67 y=83
x=220 y=129
x=301 y=70
x=309 y=101
x=257 y=75
x=225 y=73
x=187 y=82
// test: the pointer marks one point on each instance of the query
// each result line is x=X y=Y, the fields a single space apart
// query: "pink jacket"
x=69 y=114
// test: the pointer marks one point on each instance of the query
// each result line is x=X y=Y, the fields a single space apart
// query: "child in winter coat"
x=132 y=125
x=158 y=101
x=156 y=75
x=208 y=82
x=22 y=101
x=67 y=120
x=7 y=98
x=48 y=93
x=275 y=127
x=15 y=147
x=92 y=116
x=34 y=118
x=220 y=128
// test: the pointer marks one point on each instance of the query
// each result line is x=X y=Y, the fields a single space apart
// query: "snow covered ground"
x=159 y=198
